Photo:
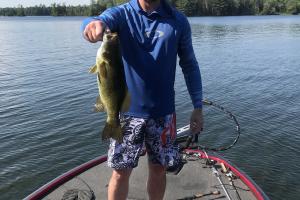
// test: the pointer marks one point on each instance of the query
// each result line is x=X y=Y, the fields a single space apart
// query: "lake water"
x=249 y=65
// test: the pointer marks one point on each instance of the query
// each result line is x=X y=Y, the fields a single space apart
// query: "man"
x=151 y=34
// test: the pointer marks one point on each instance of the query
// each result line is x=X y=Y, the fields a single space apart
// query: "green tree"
x=20 y=11
x=232 y=7
x=293 y=6
x=187 y=7
x=54 y=10
x=218 y=7
x=119 y=2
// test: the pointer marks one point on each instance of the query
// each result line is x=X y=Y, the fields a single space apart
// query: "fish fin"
x=126 y=102
x=102 y=68
x=99 y=106
x=112 y=130
x=93 y=69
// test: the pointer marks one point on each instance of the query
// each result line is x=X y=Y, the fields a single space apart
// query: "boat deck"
x=195 y=178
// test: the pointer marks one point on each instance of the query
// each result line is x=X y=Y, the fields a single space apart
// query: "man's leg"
x=118 y=184
x=124 y=156
x=159 y=140
x=156 y=184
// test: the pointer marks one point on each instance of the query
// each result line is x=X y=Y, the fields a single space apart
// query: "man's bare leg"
x=118 y=184
x=156 y=184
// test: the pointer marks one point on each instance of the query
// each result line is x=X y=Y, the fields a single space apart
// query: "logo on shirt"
x=154 y=34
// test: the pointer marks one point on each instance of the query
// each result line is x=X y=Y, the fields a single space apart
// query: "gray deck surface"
x=194 y=178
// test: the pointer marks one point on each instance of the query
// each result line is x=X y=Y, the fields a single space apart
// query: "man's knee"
x=157 y=169
x=121 y=175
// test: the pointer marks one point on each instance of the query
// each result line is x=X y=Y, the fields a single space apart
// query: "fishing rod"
x=233 y=185
x=194 y=138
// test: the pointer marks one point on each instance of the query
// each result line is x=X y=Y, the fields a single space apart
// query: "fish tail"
x=112 y=130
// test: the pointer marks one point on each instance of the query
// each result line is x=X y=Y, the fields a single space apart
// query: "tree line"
x=188 y=7
x=237 y=7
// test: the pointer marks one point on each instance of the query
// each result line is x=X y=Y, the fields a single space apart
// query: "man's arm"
x=93 y=28
x=190 y=69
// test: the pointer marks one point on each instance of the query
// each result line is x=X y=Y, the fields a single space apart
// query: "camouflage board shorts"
x=157 y=135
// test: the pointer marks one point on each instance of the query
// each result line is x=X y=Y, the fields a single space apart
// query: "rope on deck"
x=77 y=194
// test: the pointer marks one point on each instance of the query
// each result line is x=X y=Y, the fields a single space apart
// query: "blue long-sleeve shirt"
x=150 y=44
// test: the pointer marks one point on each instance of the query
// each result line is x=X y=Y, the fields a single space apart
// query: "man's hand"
x=196 y=123
x=94 y=31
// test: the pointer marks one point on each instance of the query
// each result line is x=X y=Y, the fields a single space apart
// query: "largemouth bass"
x=113 y=96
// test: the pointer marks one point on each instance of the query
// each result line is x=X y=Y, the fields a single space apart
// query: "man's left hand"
x=196 y=122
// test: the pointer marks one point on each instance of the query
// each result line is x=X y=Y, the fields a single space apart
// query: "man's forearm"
x=194 y=84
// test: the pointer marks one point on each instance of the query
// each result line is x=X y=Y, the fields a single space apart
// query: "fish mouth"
x=111 y=37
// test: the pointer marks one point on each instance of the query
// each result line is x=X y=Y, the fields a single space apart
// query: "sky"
x=26 y=3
